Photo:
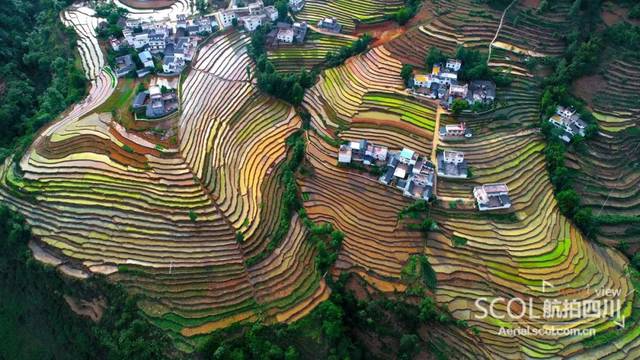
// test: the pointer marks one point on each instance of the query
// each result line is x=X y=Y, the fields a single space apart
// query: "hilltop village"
x=165 y=47
x=414 y=174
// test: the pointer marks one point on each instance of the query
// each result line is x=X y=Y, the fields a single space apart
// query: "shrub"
x=458 y=106
x=458 y=241
x=568 y=202
x=407 y=75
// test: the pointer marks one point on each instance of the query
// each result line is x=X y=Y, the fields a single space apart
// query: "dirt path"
x=434 y=145
x=504 y=13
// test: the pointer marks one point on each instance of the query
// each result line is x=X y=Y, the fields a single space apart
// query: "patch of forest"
x=39 y=74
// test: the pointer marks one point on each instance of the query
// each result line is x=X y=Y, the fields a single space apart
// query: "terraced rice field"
x=474 y=25
x=348 y=13
x=505 y=255
x=608 y=172
x=83 y=20
x=118 y=204
x=166 y=221
x=291 y=58
x=171 y=12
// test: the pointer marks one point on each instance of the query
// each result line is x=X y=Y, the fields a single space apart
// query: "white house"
x=226 y=17
x=115 y=44
x=251 y=23
x=492 y=197
x=285 y=36
x=344 y=154
x=421 y=80
x=157 y=42
x=271 y=12
x=139 y=41
x=453 y=64
x=146 y=59
x=296 y=5
x=459 y=91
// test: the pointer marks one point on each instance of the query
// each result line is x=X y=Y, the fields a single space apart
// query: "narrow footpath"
x=504 y=13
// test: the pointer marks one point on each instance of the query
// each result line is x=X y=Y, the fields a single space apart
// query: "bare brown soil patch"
x=381 y=32
x=148 y=4
x=587 y=86
x=530 y=3
x=424 y=14
x=614 y=13
x=92 y=309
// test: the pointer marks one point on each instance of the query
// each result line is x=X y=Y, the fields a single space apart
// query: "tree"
x=585 y=221
x=435 y=56
x=562 y=178
x=636 y=260
x=297 y=94
x=283 y=9
x=234 y=22
x=568 y=202
x=202 y=5
x=407 y=74
x=409 y=346
x=291 y=354
x=428 y=310
x=458 y=106
x=634 y=13
x=193 y=216
x=331 y=316
x=403 y=15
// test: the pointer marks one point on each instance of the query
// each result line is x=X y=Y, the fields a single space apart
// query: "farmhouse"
x=375 y=154
x=287 y=33
x=362 y=151
x=569 y=121
x=453 y=65
x=421 y=80
x=405 y=169
x=451 y=164
x=420 y=184
x=443 y=75
x=124 y=65
x=358 y=149
x=251 y=23
x=115 y=44
x=146 y=59
x=330 y=24
x=225 y=17
x=483 y=91
x=296 y=5
x=344 y=154
x=458 y=91
x=455 y=131
x=492 y=196
x=154 y=103
x=271 y=12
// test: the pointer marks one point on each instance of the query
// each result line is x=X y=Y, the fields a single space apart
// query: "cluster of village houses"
x=255 y=14
x=569 y=122
x=443 y=84
x=415 y=175
x=173 y=43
